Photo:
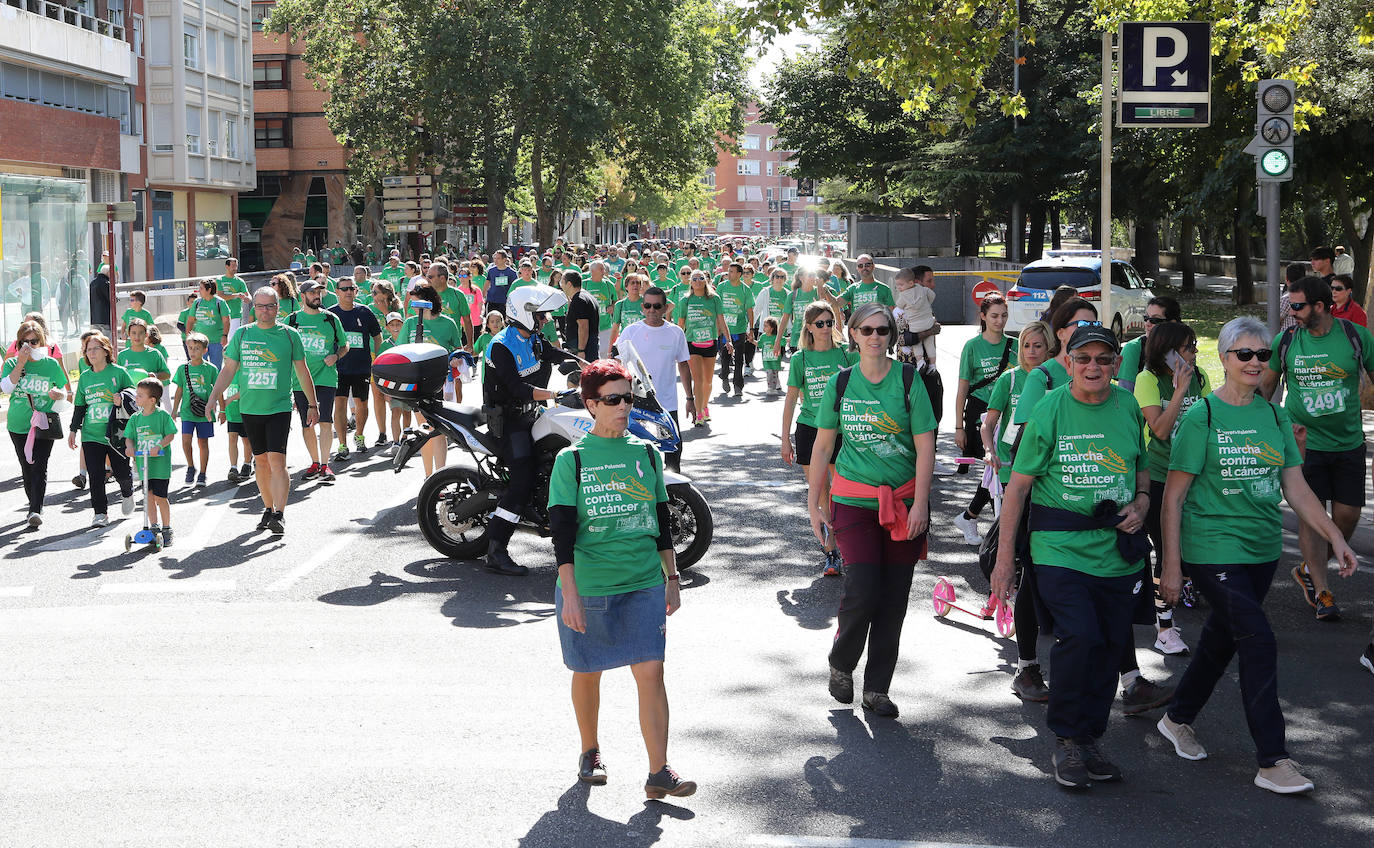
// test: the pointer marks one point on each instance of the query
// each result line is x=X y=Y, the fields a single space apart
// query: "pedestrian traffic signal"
x=1273 y=145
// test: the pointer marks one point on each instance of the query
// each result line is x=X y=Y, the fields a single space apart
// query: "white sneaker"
x=35 y=519
x=969 y=526
x=1171 y=642
x=1284 y=778
x=126 y=505
x=100 y=520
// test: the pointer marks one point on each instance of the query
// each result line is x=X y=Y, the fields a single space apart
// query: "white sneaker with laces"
x=969 y=527
x=1171 y=642
x=126 y=505
x=100 y=520
x=1284 y=778
x=35 y=519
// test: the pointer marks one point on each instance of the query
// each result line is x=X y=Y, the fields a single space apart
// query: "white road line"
x=851 y=842
x=16 y=591
x=168 y=587
x=332 y=550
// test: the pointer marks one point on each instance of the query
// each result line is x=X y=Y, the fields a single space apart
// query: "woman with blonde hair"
x=35 y=381
x=701 y=315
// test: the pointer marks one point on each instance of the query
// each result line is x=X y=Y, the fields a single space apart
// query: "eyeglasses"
x=1154 y=319
x=653 y=305
x=1105 y=360
x=882 y=331
x=1245 y=354
x=1297 y=307
x=266 y=306
x=617 y=400
x=864 y=264
x=346 y=288
x=824 y=324
x=1085 y=324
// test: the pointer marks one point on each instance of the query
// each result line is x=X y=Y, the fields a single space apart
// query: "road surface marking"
x=332 y=550
x=168 y=587
x=16 y=591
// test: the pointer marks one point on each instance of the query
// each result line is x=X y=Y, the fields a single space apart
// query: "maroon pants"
x=877 y=586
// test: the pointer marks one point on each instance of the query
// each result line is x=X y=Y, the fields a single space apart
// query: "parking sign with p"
x=1166 y=74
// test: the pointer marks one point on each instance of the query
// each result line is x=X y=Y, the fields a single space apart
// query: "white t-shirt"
x=661 y=348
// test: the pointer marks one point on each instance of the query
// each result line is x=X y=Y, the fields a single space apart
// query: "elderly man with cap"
x=1082 y=461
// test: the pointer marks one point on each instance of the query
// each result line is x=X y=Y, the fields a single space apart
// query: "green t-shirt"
x=628 y=311
x=1006 y=391
x=980 y=360
x=96 y=391
x=149 y=361
x=328 y=299
x=772 y=359
x=737 y=302
x=455 y=305
x=809 y=371
x=860 y=293
x=1132 y=352
x=441 y=331
x=181 y=319
x=298 y=257
x=481 y=345
x=604 y=293
x=617 y=519
x=236 y=285
x=232 y=413
x=1081 y=454
x=287 y=306
x=698 y=314
x=130 y=314
x=31 y=393
x=876 y=425
x=1035 y=387
x=146 y=431
x=1150 y=390
x=266 y=362
x=210 y=314
x=1323 y=381
x=202 y=379
x=797 y=302
x=1231 y=515
x=322 y=334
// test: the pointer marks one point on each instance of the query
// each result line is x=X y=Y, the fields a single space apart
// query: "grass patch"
x=1207 y=313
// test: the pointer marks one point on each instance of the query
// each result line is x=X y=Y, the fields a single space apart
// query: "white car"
x=1029 y=298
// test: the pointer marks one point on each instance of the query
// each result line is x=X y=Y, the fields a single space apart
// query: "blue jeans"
x=1236 y=625
x=1092 y=627
x=214 y=354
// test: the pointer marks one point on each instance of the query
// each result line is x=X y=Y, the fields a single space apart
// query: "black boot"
x=498 y=558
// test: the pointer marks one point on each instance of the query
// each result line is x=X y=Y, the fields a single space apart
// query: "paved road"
x=344 y=686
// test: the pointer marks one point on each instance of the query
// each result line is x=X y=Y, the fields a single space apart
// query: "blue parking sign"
x=1166 y=74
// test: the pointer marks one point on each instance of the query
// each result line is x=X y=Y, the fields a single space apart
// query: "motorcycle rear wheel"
x=462 y=540
x=691 y=524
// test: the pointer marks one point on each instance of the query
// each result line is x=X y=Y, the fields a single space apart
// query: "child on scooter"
x=150 y=431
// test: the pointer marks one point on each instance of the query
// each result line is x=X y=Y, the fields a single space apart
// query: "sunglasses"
x=1338 y=288
x=345 y=288
x=1298 y=307
x=1083 y=359
x=1245 y=354
x=1155 y=319
x=824 y=324
x=33 y=342
x=616 y=400
x=882 y=331
x=1085 y=323
x=653 y=305
x=865 y=264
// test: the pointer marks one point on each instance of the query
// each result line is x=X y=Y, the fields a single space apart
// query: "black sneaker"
x=166 y=537
x=1069 y=769
x=246 y=471
x=590 y=769
x=1304 y=581
x=352 y=424
x=382 y=441
x=1029 y=685
x=1098 y=766
x=234 y=476
x=665 y=782
x=1143 y=696
x=500 y=562
x=277 y=526
x=880 y=704
x=265 y=520
x=841 y=686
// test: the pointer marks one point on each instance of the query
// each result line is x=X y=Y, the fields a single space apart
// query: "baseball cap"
x=393 y=316
x=1087 y=335
x=309 y=285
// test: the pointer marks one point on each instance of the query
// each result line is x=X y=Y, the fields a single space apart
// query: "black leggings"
x=1164 y=612
x=35 y=473
x=737 y=360
x=95 y=454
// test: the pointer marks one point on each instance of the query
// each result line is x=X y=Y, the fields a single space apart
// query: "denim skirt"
x=622 y=630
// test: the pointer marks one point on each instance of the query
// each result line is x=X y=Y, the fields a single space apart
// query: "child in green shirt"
x=146 y=439
x=137 y=300
x=772 y=359
x=195 y=377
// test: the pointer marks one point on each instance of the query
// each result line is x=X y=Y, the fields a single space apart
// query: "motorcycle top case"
x=411 y=371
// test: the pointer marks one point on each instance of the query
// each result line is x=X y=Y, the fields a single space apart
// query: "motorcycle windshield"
x=643 y=383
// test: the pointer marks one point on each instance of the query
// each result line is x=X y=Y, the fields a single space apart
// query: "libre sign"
x=1166 y=74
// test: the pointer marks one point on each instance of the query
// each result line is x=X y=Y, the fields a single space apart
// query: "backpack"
x=335 y=325
x=197 y=402
x=1286 y=341
x=908 y=379
x=1049 y=384
x=125 y=407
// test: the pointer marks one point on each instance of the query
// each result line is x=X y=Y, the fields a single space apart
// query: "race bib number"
x=1320 y=402
x=33 y=384
x=355 y=340
x=99 y=414
x=314 y=344
x=262 y=378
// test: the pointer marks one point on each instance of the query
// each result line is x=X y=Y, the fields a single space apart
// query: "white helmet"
x=523 y=304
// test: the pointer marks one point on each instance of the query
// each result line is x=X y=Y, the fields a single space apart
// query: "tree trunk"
x=1035 y=248
x=1245 y=284
x=1096 y=236
x=1358 y=245
x=1055 y=239
x=1313 y=221
x=966 y=226
x=1185 y=254
x=1147 y=248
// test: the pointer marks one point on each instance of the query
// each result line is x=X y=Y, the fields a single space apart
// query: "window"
x=772 y=142
x=212 y=51
x=212 y=134
x=748 y=194
x=748 y=167
x=192 y=129
x=750 y=142
x=770 y=194
x=271 y=132
x=709 y=178
x=159 y=41
x=260 y=11
x=789 y=193
x=161 y=127
x=231 y=56
x=138 y=35
x=190 y=47
x=231 y=138
x=269 y=73
x=771 y=166
x=117 y=106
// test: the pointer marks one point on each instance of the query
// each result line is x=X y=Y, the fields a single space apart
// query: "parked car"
x=1028 y=299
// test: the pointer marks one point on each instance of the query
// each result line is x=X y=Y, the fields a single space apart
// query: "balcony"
x=52 y=32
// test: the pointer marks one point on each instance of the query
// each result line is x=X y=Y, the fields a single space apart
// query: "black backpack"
x=1286 y=341
x=908 y=380
x=125 y=407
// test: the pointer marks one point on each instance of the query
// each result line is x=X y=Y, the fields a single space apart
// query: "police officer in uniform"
x=518 y=363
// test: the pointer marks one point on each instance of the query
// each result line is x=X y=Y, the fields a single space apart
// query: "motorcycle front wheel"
x=444 y=520
x=690 y=522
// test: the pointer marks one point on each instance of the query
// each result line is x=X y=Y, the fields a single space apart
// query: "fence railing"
x=71 y=16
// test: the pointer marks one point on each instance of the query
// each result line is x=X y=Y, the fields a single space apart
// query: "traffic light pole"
x=1269 y=198
x=1108 y=89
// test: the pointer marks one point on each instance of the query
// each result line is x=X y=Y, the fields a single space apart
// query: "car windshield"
x=1053 y=278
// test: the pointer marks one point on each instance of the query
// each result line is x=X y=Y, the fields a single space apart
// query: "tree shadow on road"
x=478 y=598
x=571 y=823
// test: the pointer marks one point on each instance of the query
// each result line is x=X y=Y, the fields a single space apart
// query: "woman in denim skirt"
x=609 y=515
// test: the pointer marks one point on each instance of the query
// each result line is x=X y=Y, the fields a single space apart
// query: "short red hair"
x=598 y=374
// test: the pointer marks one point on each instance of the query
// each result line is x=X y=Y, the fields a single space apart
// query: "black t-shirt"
x=358 y=320
x=582 y=306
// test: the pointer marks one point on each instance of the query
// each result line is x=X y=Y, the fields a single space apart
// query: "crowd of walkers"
x=1121 y=478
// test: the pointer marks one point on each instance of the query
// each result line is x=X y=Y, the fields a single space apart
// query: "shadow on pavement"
x=571 y=823
x=479 y=599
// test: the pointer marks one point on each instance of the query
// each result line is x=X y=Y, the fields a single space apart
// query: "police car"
x=1029 y=298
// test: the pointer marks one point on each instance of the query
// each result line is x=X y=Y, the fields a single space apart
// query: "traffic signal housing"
x=1273 y=145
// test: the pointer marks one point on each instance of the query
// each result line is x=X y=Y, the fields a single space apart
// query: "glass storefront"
x=44 y=262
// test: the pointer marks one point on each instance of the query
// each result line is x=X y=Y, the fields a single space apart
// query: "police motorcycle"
x=456 y=502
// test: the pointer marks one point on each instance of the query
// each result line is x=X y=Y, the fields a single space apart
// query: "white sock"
x=1020 y=664
x=1130 y=677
